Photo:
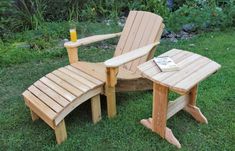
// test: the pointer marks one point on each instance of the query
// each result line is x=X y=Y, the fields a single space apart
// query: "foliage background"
x=19 y=15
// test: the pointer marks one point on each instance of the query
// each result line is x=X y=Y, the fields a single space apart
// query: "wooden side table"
x=193 y=69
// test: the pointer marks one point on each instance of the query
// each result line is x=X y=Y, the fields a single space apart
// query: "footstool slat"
x=51 y=93
x=46 y=99
x=38 y=107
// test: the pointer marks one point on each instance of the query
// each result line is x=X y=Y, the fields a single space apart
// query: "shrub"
x=203 y=15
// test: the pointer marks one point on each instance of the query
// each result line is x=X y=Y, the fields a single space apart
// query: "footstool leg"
x=159 y=115
x=95 y=109
x=34 y=116
x=60 y=132
x=192 y=109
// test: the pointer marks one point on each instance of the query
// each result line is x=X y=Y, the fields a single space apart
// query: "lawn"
x=124 y=132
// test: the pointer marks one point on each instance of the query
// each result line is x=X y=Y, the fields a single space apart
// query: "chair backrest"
x=141 y=28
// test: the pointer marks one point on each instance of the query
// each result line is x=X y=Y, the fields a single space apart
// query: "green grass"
x=216 y=99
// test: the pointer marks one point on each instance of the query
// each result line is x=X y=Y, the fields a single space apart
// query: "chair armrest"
x=91 y=39
x=130 y=56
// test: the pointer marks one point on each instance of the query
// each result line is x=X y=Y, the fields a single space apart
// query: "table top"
x=193 y=69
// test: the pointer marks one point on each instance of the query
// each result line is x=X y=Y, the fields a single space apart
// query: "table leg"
x=192 y=109
x=159 y=111
x=159 y=115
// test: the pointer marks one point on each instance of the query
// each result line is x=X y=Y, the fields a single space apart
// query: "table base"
x=162 y=110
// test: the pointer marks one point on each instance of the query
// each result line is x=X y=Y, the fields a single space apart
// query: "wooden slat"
x=154 y=70
x=147 y=65
x=110 y=91
x=160 y=31
x=159 y=112
x=180 y=81
x=44 y=98
x=64 y=85
x=149 y=29
x=125 y=33
x=171 y=52
x=73 y=55
x=182 y=64
x=177 y=105
x=66 y=94
x=143 y=67
x=34 y=116
x=135 y=84
x=133 y=32
x=129 y=56
x=127 y=74
x=151 y=54
x=83 y=74
x=191 y=106
x=87 y=68
x=42 y=110
x=60 y=132
x=91 y=39
x=186 y=71
x=175 y=56
x=95 y=109
x=55 y=96
x=76 y=103
x=154 y=35
x=155 y=29
x=193 y=95
x=78 y=77
x=71 y=81
x=144 y=41
x=138 y=38
x=198 y=76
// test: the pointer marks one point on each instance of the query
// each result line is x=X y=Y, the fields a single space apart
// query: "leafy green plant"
x=156 y=6
x=5 y=20
x=203 y=15
x=89 y=13
x=29 y=14
x=73 y=14
x=229 y=9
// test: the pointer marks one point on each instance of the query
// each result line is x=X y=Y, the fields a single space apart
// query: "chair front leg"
x=111 y=81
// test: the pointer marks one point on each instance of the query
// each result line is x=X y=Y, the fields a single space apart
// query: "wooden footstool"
x=193 y=69
x=58 y=93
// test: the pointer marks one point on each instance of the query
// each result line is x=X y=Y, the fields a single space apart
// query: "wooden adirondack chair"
x=55 y=95
x=136 y=45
